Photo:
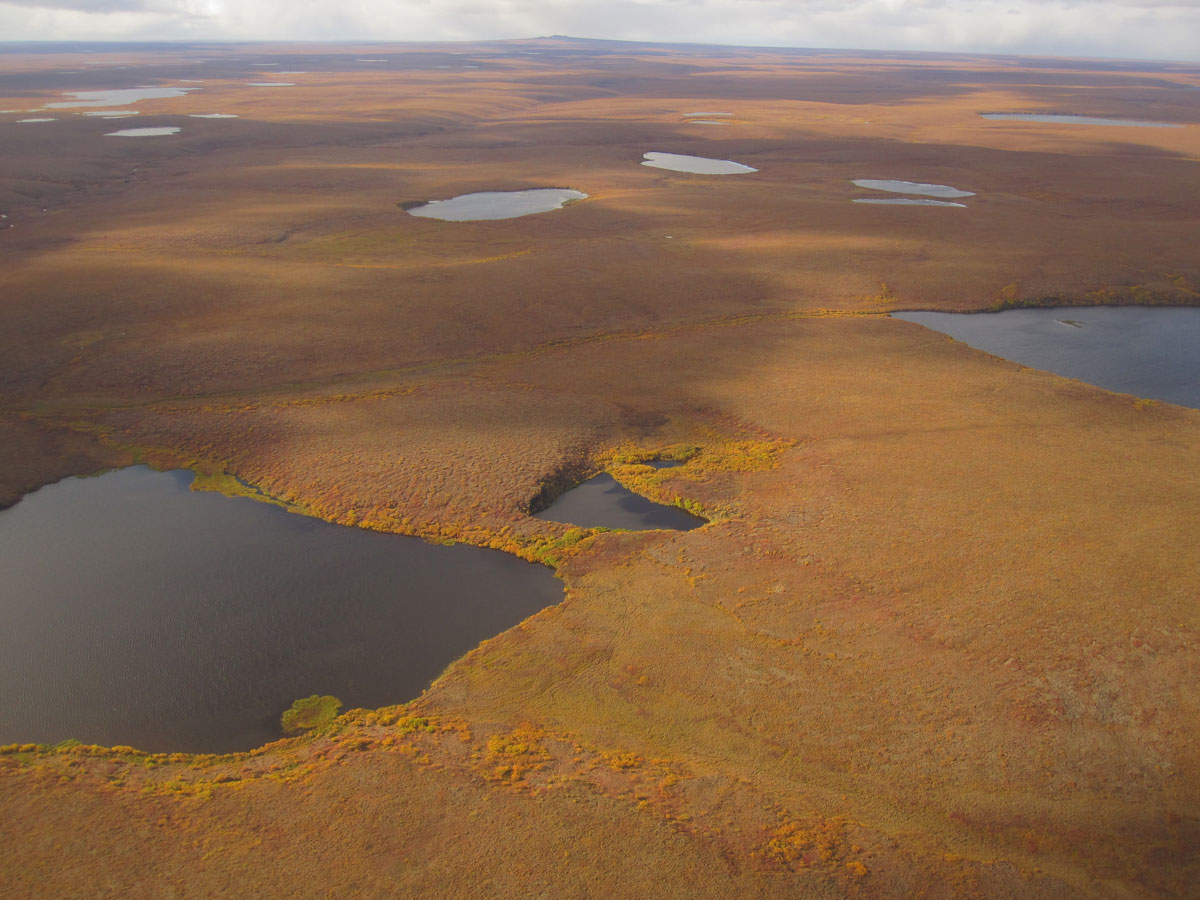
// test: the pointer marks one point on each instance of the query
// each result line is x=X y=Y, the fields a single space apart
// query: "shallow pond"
x=22 y=121
x=136 y=611
x=145 y=132
x=111 y=113
x=1145 y=351
x=710 y=115
x=696 y=165
x=602 y=502
x=117 y=97
x=912 y=187
x=497 y=204
x=1077 y=120
x=905 y=201
x=212 y=116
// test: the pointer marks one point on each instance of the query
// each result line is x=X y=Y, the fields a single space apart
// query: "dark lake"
x=1145 y=351
x=601 y=502
x=136 y=611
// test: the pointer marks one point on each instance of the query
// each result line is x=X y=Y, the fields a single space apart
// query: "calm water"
x=497 y=204
x=601 y=502
x=912 y=187
x=905 y=201
x=1077 y=120
x=697 y=165
x=1147 y=352
x=118 y=97
x=136 y=611
x=145 y=132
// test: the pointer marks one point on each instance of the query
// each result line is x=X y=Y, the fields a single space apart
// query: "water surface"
x=212 y=116
x=1145 y=351
x=905 y=201
x=1077 y=120
x=497 y=204
x=136 y=611
x=602 y=502
x=697 y=165
x=121 y=97
x=145 y=132
x=912 y=187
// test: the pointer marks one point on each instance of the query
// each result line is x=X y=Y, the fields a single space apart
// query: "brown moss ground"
x=940 y=638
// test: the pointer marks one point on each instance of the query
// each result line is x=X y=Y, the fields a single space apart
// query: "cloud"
x=1152 y=29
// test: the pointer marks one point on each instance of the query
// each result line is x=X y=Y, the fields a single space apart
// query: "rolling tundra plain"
x=938 y=635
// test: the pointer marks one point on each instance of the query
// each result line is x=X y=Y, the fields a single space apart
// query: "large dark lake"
x=1145 y=351
x=134 y=610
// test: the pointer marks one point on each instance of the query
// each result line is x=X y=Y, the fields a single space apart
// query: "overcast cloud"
x=1146 y=29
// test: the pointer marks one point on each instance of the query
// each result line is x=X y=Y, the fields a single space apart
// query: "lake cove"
x=1144 y=351
x=602 y=502
x=136 y=611
x=497 y=204
x=696 y=165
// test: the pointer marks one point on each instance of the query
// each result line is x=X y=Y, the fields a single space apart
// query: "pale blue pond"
x=121 y=97
x=912 y=187
x=497 y=204
x=1076 y=120
x=696 y=165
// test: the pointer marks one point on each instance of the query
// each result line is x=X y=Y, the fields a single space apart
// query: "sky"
x=1137 y=29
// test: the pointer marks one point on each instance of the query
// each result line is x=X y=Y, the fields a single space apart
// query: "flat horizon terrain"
x=939 y=638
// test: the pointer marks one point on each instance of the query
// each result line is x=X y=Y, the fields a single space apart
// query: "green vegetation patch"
x=317 y=711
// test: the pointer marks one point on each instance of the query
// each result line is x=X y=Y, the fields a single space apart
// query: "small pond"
x=145 y=132
x=212 y=116
x=602 y=502
x=137 y=611
x=696 y=165
x=708 y=115
x=22 y=121
x=117 y=98
x=1144 y=351
x=905 y=201
x=270 y=84
x=1077 y=120
x=111 y=113
x=912 y=187
x=497 y=204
